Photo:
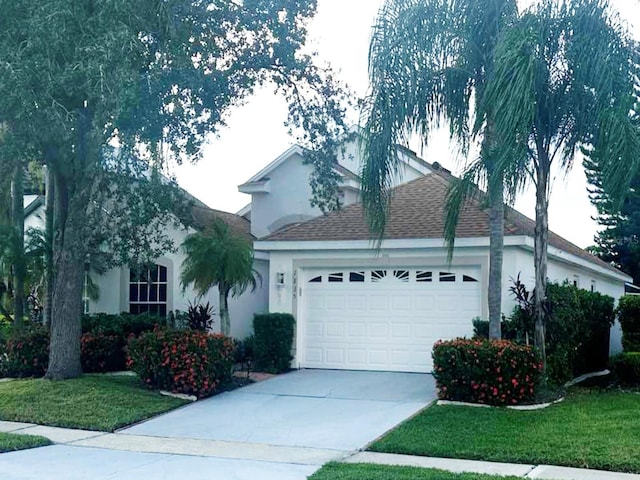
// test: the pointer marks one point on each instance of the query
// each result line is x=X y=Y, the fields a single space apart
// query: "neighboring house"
x=358 y=307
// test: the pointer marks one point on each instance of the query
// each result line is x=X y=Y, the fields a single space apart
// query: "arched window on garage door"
x=148 y=290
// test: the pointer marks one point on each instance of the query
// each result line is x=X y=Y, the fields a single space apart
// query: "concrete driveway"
x=341 y=410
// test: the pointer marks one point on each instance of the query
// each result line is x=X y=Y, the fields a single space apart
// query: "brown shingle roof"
x=203 y=216
x=417 y=211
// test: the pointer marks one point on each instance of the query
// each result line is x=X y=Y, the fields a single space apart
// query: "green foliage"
x=273 y=340
x=494 y=372
x=25 y=354
x=189 y=362
x=360 y=471
x=123 y=324
x=200 y=317
x=626 y=368
x=244 y=349
x=102 y=352
x=218 y=257
x=576 y=331
x=11 y=442
x=629 y=316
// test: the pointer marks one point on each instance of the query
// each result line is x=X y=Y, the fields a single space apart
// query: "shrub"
x=189 y=362
x=200 y=317
x=576 y=332
x=102 y=352
x=626 y=368
x=26 y=354
x=483 y=371
x=273 y=339
x=243 y=352
x=123 y=324
x=629 y=316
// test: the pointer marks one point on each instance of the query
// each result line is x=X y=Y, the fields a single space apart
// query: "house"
x=356 y=306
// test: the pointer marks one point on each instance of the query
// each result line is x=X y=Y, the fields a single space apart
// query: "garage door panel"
x=387 y=324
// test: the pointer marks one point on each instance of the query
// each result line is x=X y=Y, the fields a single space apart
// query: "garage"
x=384 y=318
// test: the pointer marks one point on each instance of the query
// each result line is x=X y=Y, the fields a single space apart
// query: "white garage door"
x=385 y=319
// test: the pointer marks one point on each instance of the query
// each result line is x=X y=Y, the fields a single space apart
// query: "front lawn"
x=356 y=471
x=10 y=442
x=91 y=402
x=590 y=429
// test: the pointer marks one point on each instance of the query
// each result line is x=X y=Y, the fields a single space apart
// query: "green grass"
x=91 y=402
x=590 y=429
x=10 y=442
x=355 y=471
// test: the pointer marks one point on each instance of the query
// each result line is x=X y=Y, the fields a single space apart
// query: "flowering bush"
x=484 y=371
x=26 y=354
x=102 y=352
x=189 y=362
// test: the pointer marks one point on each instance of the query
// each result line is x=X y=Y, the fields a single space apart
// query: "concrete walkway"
x=80 y=454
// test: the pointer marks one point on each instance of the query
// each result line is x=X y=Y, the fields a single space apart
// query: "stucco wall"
x=518 y=260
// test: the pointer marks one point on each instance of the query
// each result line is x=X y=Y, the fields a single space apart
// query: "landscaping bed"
x=355 y=471
x=592 y=428
x=91 y=402
x=10 y=442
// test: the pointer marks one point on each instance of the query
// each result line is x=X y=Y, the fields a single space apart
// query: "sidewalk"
x=302 y=456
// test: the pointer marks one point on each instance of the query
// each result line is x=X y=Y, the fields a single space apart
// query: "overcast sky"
x=340 y=32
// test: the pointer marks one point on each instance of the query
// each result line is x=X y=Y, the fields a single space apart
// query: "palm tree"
x=563 y=79
x=428 y=61
x=219 y=257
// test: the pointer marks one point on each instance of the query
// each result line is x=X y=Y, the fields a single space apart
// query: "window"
x=402 y=275
x=422 y=276
x=317 y=279
x=356 y=277
x=576 y=281
x=85 y=294
x=593 y=285
x=447 y=277
x=148 y=290
x=467 y=278
x=335 y=277
x=378 y=275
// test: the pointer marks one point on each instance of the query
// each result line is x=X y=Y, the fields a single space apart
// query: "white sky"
x=340 y=32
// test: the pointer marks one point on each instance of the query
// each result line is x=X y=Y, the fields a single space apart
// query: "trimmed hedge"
x=626 y=368
x=102 y=352
x=483 y=371
x=273 y=339
x=189 y=362
x=26 y=354
x=629 y=316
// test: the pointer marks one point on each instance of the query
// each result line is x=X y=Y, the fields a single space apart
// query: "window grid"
x=148 y=291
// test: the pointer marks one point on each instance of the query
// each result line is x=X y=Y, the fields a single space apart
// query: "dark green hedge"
x=629 y=315
x=626 y=368
x=577 y=330
x=273 y=339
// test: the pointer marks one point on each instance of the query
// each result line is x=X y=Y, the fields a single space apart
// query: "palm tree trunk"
x=225 y=320
x=48 y=260
x=17 y=194
x=66 y=309
x=540 y=258
x=496 y=247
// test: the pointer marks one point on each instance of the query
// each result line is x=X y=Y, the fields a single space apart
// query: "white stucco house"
x=358 y=307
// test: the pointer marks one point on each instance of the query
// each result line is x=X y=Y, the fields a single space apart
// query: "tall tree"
x=153 y=77
x=219 y=257
x=19 y=266
x=428 y=61
x=564 y=77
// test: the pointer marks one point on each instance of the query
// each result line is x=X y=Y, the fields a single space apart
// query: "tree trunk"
x=496 y=247
x=48 y=237
x=540 y=258
x=225 y=320
x=66 y=308
x=17 y=195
